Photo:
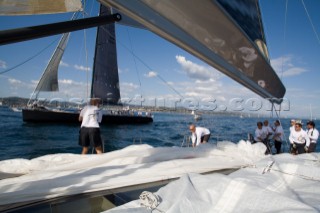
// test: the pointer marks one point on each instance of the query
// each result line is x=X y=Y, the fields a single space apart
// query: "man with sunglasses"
x=299 y=139
x=313 y=134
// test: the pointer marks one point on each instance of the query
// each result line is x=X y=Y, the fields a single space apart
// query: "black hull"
x=48 y=116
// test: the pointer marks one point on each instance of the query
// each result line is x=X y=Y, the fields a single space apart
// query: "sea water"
x=19 y=139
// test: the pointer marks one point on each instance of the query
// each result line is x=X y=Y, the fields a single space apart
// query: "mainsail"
x=208 y=30
x=105 y=77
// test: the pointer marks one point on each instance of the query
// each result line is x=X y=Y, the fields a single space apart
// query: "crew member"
x=90 y=116
x=259 y=134
x=313 y=134
x=299 y=139
x=278 y=136
x=200 y=135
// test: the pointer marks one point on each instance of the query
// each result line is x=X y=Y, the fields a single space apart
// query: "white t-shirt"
x=91 y=116
x=268 y=131
x=291 y=128
x=313 y=135
x=299 y=137
x=260 y=133
x=279 y=130
x=196 y=136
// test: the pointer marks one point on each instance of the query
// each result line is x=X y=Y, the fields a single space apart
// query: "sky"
x=162 y=73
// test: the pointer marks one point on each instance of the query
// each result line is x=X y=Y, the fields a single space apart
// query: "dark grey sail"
x=105 y=78
x=213 y=31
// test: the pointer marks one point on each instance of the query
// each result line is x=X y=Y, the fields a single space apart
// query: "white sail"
x=49 y=79
x=32 y=7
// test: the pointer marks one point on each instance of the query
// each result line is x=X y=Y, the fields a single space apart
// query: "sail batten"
x=207 y=30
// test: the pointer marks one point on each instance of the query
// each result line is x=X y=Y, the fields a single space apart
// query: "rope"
x=312 y=25
x=269 y=168
x=29 y=59
x=284 y=38
x=298 y=175
x=87 y=71
x=149 y=200
x=134 y=59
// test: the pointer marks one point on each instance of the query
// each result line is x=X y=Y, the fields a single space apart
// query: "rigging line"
x=87 y=67
x=284 y=39
x=134 y=59
x=297 y=175
x=314 y=29
x=29 y=59
x=84 y=14
x=181 y=96
x=124 y=46
x=53 y=57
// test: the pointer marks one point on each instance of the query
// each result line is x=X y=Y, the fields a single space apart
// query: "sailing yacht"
x=105 y=84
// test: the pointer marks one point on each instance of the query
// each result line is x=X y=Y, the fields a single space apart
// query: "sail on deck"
x=208 y=30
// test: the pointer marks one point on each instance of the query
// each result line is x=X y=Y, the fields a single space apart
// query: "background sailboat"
x=105 y=83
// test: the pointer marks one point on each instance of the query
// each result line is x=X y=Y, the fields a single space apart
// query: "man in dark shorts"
x=90 y=116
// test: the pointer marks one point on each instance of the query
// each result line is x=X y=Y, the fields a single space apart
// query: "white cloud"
x=196 y=71
x=128 y=87
x=14 y=81
x=17 y=85
x=63 y=64
x=285 y=68
x=3 y=64
x=82 y=68
x=151 y=74
x=293 y=71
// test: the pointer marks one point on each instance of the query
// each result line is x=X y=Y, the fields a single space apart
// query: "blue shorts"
x=90 y=136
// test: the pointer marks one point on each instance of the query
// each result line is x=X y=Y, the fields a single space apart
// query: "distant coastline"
x=22 y=102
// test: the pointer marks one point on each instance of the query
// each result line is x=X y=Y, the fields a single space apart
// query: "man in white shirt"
x=259 y=134
x=278 y=136
x=313 y=134
x=199 y=135
x=299 y=139
x=90 y=116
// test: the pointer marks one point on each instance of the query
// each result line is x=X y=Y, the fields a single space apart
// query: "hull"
x=50 y=116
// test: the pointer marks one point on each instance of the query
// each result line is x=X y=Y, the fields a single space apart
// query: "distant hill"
x=14 y=101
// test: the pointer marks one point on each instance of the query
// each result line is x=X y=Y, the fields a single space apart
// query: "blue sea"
x=29 y=140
